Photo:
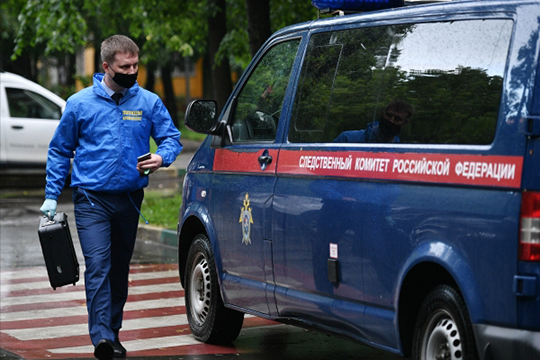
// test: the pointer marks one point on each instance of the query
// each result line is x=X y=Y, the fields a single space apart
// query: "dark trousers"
x=107 y=229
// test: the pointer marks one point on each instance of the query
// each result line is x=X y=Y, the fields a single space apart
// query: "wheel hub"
x=444 y=342
x=200 y=290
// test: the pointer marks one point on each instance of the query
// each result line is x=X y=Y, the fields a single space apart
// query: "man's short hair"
x=117 y=44
x=400 y=106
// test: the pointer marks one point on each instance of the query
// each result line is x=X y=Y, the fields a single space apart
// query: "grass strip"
x=161 y=208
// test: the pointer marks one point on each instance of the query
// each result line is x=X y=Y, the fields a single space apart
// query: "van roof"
x=416 y=8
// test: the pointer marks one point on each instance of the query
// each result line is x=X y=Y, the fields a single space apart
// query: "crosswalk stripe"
x=81 y=310
x=153 y=275
x=137 y=345
x=82 y=329
x=143 y=344
x=9 y=287
x=24 y=273
x=57 y=296
x=78 y=295
x=53 y=324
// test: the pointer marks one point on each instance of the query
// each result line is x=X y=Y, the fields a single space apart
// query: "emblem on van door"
x=246 y=219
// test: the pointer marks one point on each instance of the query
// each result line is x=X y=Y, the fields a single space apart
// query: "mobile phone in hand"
x=144 y=157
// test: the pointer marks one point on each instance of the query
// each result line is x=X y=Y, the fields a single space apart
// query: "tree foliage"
x=9 y=26
x=58 y=24
x=161 y=26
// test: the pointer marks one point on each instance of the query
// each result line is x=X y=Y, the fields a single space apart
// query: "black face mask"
x=125 y=80
x=387 y=128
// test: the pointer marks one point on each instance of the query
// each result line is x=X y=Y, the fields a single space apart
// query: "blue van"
x=376 y=175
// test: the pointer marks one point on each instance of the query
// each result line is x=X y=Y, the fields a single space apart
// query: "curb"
x=157 y=234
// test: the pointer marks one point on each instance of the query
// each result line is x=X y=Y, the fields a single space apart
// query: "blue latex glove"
x=49 y=208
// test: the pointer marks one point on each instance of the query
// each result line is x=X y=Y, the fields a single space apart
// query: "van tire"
x=443 y=329
x=210 y=321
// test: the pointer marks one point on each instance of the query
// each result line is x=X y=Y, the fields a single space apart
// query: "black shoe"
x=104 y=350
x=119 y=350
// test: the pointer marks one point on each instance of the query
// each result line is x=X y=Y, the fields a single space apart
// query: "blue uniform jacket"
x=369 y=135
x=105 y=139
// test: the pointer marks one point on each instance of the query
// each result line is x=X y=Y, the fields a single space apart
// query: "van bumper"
x=494 y=343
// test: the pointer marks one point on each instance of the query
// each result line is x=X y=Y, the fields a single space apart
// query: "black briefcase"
x=58 y=251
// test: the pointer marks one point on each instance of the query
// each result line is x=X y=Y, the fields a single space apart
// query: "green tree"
x=258 y=14
x=216 y=29
x=25 y=64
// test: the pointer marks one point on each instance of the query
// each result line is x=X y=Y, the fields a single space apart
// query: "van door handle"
x=533 y=126
x=17 y=127
x=265 y=160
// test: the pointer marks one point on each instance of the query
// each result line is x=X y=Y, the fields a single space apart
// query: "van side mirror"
x=201 y=116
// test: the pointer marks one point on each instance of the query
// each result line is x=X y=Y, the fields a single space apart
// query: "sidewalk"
x=168 y=179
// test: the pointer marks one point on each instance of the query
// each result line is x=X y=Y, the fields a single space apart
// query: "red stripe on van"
x=243 y=161
x=500 y=171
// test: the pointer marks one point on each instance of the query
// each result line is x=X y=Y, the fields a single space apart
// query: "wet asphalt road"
x=20 y=247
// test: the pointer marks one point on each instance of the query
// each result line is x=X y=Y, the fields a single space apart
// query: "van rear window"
x=447 y=78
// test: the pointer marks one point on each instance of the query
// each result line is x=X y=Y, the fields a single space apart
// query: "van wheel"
x=443 y=330
x=210 y=321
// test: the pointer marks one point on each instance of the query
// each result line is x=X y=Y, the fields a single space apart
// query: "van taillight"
x=529 y=242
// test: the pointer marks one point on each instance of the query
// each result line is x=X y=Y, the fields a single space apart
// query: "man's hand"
x=49 y=208
x=148 y=166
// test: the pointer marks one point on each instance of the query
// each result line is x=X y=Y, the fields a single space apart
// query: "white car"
x=29 y=115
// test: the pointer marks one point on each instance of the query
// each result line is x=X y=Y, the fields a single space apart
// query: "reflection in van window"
x=28 y=104
x=449 y=73
x=259 y=103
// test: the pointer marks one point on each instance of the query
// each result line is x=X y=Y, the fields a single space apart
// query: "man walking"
x=105 y=128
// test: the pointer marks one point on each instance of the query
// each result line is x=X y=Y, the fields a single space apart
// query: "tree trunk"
x=22 y=66
x=258 y=14
x=207 y=77
x=151 y=67
x=71 y=70
x=98 y=68
x=221 y=73
x=66 y=70
x=170 y=99
x=187 y=76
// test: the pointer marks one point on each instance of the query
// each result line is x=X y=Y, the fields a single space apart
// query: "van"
x=29 y=115
x=376 y=175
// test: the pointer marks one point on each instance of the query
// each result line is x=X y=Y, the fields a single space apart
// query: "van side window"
x=429 y=83
x=28 y=104
x=258 y=105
